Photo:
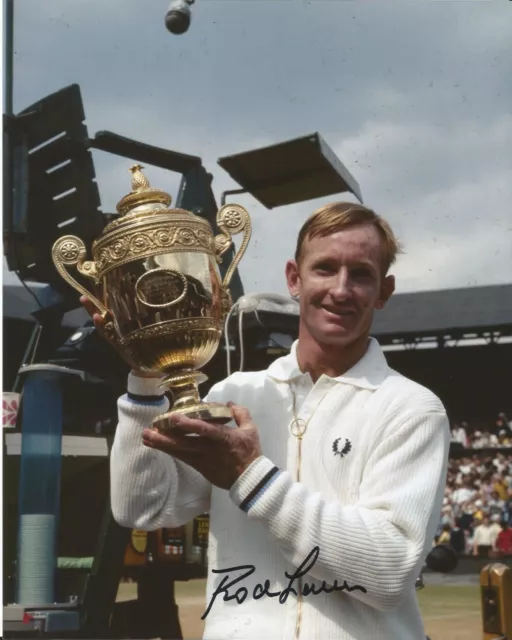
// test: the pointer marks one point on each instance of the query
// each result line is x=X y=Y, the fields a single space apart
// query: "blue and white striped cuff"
x=151 y=401
x=253 y=483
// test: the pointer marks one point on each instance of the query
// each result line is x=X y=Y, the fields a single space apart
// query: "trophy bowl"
x=155 y=280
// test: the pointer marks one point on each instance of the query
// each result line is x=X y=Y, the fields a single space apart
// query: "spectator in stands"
x=465 y=493
x=446 y=514
x=458 y=538
x=484 y=538
x=505 y=438
x=500 y=486
x=495 y=504
x=459 y=434
x=478 y=511
x=500 y=462
x=479 y=464
x=508 y=507
x=466 y=518
x=495 y=526
x=499 y=434
x=444 y=538
x=504 y=540
x=480 y=440
x=486 y=487
x=465 y=466
x=503 y=423
x=476 y=486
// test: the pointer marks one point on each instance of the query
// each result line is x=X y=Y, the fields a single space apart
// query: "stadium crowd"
x=476 y=516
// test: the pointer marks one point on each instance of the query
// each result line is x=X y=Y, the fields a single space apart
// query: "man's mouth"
x=340 y=313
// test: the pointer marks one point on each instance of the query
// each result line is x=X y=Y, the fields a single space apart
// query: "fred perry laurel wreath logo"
x=346 y=447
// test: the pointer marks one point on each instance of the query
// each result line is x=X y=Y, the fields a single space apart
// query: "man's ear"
x=292 y=278
x=387 y=289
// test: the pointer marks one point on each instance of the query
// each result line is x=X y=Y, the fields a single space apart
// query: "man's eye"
x=324 y=268
x=361 y=273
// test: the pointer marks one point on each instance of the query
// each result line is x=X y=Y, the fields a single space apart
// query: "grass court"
x=449 y=612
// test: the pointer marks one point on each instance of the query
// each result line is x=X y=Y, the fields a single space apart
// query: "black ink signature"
x=261 y=590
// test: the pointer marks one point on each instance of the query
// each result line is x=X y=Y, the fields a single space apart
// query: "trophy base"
x=187 y=402
x=207 y=411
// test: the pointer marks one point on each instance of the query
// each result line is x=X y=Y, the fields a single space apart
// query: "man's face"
x=340 y=283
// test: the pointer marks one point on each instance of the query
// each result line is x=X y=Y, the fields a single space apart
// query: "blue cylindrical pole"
x=39 y=490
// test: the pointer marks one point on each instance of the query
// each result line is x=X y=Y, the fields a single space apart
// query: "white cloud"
x=476 y=253
x=414 y=98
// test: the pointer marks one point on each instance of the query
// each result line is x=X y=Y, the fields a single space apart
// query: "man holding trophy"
x=325 y=489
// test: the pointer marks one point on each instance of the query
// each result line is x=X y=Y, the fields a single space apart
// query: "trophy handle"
x=232 y=219
x=69 y=251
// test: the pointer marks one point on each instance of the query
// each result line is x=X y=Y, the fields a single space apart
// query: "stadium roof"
x=447 y=311
x=426 y=313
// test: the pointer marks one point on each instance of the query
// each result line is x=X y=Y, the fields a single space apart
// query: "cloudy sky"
x=413 y=97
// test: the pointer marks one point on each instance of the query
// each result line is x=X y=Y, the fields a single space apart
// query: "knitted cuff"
x=253 y=483
x=144 y=390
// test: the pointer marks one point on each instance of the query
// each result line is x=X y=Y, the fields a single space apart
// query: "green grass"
x=449 y=613
x=190 y=589
x=441 y=600
x=435 y=600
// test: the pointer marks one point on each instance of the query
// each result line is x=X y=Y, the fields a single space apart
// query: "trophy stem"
x=183 y=386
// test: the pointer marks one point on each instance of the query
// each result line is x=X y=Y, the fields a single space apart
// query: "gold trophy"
x=157 y=285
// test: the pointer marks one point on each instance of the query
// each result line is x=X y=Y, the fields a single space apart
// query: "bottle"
x=201 y=531
x=200 y=537
x=192 y=551
x=170 y=545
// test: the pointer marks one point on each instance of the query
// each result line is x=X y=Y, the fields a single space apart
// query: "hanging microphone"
x=178 y=16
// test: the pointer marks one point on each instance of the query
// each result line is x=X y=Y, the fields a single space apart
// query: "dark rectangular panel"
x=290 y=172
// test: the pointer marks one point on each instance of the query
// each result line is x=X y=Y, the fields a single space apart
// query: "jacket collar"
x=369 y=373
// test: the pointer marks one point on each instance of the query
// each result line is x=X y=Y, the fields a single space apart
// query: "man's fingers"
x=92 y=310
x=98 y=321
x=201 y=428
x=173 y=444
x=183 y=452
x=240 y=414
x=88 y=306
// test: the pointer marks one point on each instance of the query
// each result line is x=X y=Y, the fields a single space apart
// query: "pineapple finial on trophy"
x=142 y=195
x=139 y=180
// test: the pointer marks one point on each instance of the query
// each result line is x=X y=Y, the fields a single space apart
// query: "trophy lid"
x=142 y=195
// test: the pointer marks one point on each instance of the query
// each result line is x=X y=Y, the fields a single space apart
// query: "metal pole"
x=30 y=353
x=9 y=57
x=8 y=113
x=230 y=193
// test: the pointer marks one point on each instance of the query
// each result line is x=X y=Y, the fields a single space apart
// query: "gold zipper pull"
x=298 y=428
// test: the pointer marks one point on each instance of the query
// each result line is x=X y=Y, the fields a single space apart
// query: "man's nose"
x=341 y=288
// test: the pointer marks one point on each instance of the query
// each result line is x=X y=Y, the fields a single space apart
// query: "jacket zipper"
x=299 y=428
x=299 y=593
x=298 y=432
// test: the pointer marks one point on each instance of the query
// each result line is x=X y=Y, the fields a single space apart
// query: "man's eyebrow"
x=355 y=263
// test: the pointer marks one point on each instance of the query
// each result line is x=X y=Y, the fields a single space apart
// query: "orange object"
x=135 y=554
x=496 y=596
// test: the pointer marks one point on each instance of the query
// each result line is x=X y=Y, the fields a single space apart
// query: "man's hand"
x=221 y=454
x=99 y=325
